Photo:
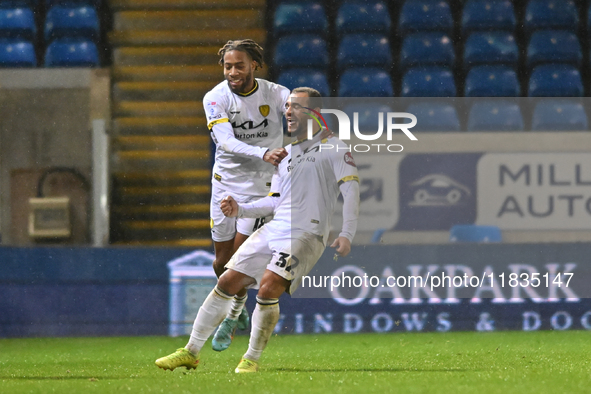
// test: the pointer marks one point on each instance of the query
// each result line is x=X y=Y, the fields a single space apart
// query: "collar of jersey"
x=305 y=139
x=256 y=87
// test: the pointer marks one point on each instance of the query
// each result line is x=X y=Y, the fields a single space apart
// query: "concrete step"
x=162 y=212
x=161 y=160
x=160 y=56
x=210 y=73
x=188 y=19
x=168 y=125
x=159 y=109
x=169 y=230
x=163 y=154
x=160 y=91
x=204 y=243
x=161 y=143
x=168 y=195
x=117 y=5
x=162 y=178
x=192 y=37
x=130 y=176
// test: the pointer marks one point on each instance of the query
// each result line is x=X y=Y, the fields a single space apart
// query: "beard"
x=242 y=88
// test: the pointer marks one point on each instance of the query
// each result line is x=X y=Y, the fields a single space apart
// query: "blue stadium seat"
x=425 y=49
x=364 y=50
x=498 y=115
x=17 y=53
x=71 y=52
x=301 y=50
x=363 y=17
x=428 y=82
x=434 y=116
x=367 y=116
x=559 y=115
x=425 y=15
x=474 y=233
x=302 y=77
x=555 y=80
x=492 y=81
x=488 y=15
x=365 y=82
x=551 y=14
x=298 y=18
x=553 y=46
x=17 y=23
x=490 y=48
x=63 y=21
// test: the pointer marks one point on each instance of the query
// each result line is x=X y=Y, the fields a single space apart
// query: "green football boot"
x=247 y=366
x=181 y=358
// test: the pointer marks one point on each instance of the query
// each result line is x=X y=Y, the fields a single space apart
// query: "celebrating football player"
x=274 y=259
x=244 y=115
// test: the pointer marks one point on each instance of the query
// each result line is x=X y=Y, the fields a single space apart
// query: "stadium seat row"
x=355 y=16
x=62 y=52
x=425 y=49
x=556 y=80
x=427 y=59
x=61 y=21
x=497 y=115
x=71 y=31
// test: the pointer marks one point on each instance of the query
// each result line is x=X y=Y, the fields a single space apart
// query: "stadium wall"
x=46 y=122
x=125 y=291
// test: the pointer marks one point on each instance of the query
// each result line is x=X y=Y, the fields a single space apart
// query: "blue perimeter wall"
x=125 y=291
x=84 y=291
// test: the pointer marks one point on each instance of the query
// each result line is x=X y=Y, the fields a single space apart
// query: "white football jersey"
x=308 y=183
x=256 y=118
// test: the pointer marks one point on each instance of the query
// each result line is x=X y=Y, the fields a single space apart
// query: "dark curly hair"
x=254 y=50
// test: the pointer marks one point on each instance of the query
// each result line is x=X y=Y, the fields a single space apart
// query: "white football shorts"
x=224 y=228
x=290 y=254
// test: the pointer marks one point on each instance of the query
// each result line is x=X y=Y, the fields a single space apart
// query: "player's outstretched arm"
x=224 y=135
x=260 y=208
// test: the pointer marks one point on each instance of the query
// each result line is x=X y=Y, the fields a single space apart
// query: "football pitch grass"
x=500 y=362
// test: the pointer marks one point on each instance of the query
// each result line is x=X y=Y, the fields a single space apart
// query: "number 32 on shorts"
x=287 y=261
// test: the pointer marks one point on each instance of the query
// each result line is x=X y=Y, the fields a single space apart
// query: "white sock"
x=210 y=315
x=237 y=305
x=264 y=320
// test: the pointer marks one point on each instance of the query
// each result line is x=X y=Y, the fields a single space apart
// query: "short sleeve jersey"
x=256 y=118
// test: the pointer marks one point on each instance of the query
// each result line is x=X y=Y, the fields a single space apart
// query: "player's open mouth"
x=237 y=82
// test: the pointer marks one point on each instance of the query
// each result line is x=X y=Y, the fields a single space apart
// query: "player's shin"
x=210 y=315
x=264 y=320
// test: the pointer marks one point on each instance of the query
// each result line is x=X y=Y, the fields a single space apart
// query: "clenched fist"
x=275 y=156
x=229 y=207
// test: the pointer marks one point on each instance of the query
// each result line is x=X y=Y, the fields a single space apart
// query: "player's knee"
x=273 y=287
x=227 y=285
x=232 y=282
